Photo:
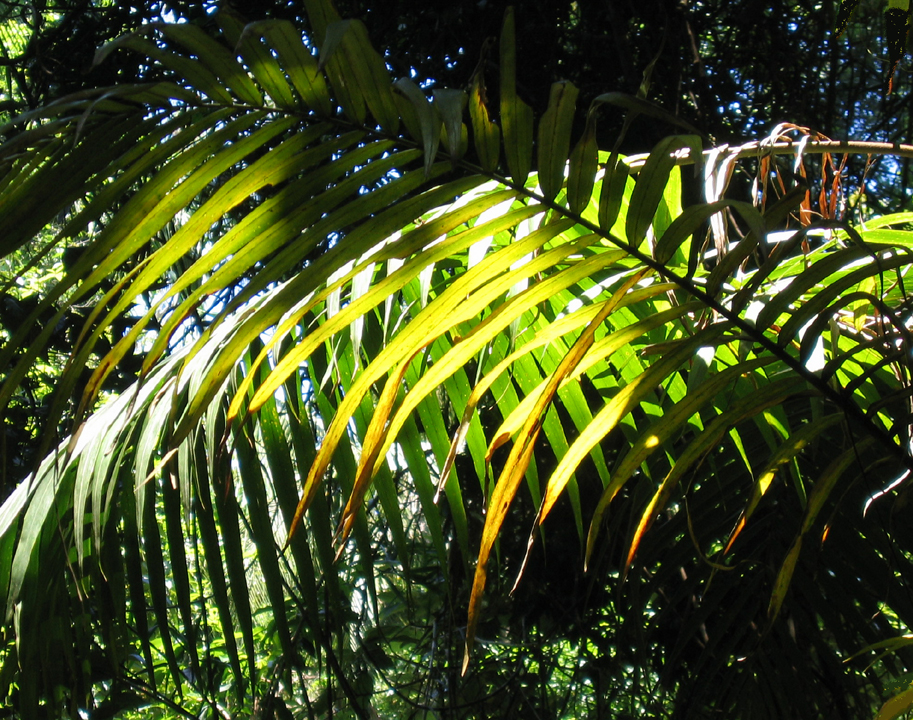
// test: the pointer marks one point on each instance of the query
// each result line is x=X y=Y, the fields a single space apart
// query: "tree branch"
x=761 y=148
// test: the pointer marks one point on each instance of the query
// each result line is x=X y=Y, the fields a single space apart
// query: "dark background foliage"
x=733 y=68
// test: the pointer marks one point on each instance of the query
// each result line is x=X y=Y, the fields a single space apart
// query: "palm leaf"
x=328 y=307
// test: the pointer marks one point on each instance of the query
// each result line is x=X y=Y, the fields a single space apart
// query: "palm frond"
x=343 y=306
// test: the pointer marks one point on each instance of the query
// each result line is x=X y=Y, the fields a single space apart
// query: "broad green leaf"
x=651 y=184
x=265 y=68
x=896 y=706
x=784 y=577
x=516 y=115
x=354 y=63
x=582 y=168
x=616 y=185
x=555 y=137
x=486 y=135
x=214 y=56
x=296 y=61
x=196 y=74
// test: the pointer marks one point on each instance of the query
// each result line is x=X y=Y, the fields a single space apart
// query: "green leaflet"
x=266 y=70
x=470 y=345
x=296 y=61
x=616 y=187
x=255 y=493
x=216 y=57
x=153 y=551
x=896 y=706
x=651 y=184
x=396 y=281
x=516 y=115
x=816 y=274
x=198 y=75
x=598 y=352
x=582 y=168
x=486 y=135
x=357 y=72
x=692 y=218
x=555 y=137
x=204 y=512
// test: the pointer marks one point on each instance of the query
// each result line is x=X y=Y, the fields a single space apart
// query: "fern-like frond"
x=338 y=297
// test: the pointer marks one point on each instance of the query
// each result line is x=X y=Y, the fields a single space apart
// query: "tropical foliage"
x=344 y=360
